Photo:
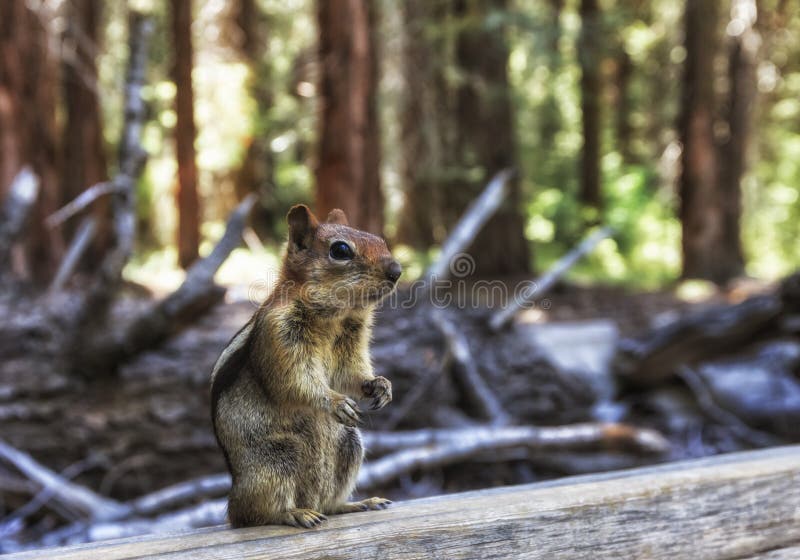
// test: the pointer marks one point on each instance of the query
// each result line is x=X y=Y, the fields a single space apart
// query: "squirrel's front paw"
x=379 y=389
x=347 y=412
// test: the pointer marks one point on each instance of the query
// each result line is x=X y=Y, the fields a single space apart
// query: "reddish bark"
x=185 y=133
x=85 y=162
x=589 y=57
x=709 y=211
x=28 y=132
x=347 y=173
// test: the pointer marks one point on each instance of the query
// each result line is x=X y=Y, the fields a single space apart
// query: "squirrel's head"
x=335 y=265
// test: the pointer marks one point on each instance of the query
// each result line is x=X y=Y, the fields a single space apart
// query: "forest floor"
x=150 y=427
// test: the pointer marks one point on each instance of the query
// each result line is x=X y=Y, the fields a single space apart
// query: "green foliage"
x=273 y=101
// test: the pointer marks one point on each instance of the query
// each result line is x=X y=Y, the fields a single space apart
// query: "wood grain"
x=743 y=505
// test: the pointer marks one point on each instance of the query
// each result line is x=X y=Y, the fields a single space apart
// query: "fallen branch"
x=195 y=296
x=478 y=392
x=544 y=284
x=21 y=196
x=657 y=355
x=179 y=494
x=80 y=242
x=15 y=522
x=202 y=515
x=470 y=224
x=80 y=202
x=69 y=494
x=572 y=437
x=427 y=449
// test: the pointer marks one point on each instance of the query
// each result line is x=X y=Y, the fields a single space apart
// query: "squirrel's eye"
x=341 y=251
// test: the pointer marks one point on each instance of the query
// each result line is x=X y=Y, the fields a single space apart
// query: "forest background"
x=678 y=124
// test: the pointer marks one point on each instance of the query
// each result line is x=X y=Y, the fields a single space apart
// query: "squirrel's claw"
x=380 y=390
x=307 y=518
x=348 y=413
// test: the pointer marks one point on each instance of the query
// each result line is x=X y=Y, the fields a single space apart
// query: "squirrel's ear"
x=337 y=216
x=302 y=225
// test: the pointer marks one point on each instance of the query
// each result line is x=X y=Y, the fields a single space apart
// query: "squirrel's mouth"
x=381 y=292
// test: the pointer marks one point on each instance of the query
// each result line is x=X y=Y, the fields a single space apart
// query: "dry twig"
x=479 y=393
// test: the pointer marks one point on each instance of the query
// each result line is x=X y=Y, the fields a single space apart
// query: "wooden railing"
x=743 y=505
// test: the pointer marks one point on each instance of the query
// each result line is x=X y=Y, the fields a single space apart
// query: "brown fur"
x=283 y=390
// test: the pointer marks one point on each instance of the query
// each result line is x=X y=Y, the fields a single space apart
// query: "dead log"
x=194 y=297
x=658 y=354
x=21 y=196
x=540 y=287
x=468 y=227
x=477 y=390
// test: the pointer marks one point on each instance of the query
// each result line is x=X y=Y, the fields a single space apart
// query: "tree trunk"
x=256 y=174
x=423 y=123
x=733 y=152
x=28 y=132
x=707 y=249
x=550 y=117
x=589 y=57
x=85 y=162
x=484 y=138
x=347 y=173
x=624 y=130
x=187 y=200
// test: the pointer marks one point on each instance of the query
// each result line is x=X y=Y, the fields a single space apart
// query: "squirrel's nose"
x=393 y=271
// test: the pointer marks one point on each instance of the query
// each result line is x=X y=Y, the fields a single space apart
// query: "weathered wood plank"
x=789 y=553
x=744 y=505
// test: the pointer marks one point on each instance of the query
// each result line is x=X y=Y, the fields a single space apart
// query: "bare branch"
x=167 y=498
x=479 y=393
x=80 y=202
x=80 y=242
x=427 y=449
x=68 y=493
x=196 y=294
x=544 y=284
x=470 y=224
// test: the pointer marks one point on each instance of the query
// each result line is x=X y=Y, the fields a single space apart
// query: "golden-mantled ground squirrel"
x=284 y=390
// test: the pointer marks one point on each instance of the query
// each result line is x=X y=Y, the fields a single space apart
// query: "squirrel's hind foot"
x=363 y=505
x=306 y=518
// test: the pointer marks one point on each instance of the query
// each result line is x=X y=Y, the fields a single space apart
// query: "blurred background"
x=136 y=134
